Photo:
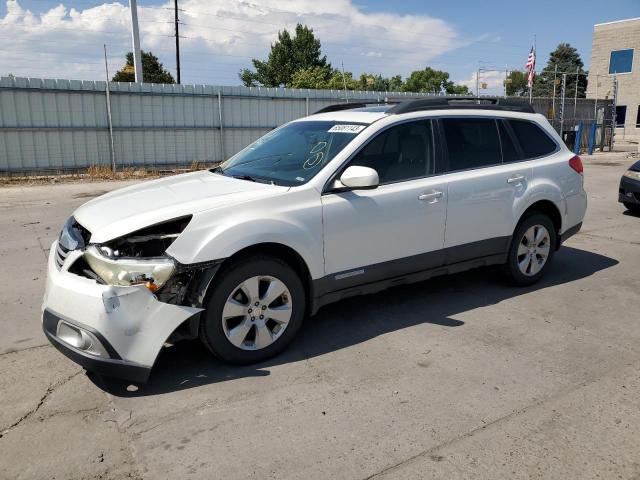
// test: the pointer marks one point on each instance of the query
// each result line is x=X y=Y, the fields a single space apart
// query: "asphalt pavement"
x=457 y=377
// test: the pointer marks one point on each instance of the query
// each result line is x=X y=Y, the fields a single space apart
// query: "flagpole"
x=533 y=70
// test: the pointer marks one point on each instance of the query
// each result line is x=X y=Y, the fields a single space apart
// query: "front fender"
x=205 y=242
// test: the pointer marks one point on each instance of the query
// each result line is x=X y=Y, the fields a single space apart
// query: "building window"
x=621 y=61
x=621 y=115
x=638 y=118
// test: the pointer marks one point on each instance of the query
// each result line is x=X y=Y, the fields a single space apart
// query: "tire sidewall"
x=211 y=328
x=513 y=270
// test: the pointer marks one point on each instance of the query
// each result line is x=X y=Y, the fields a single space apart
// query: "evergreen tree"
x=568 y=61
x=152 y=70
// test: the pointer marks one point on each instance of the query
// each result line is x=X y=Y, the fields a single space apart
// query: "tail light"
x=576 y=164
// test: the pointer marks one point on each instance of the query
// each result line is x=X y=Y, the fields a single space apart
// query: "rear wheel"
x=254 y=310
x=531 y=251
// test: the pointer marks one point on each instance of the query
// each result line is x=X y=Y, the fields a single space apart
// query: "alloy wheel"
x=533 y=250
x=257 y=312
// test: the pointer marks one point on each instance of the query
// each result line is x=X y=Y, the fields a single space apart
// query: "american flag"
x=531 y=67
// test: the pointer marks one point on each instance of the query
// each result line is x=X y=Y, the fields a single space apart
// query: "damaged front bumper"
x=117 y=331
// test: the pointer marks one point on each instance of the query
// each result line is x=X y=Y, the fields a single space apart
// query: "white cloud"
x=221 y=36
x=494 y=80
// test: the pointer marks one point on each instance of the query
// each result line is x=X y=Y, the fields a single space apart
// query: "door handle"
x=515 y=178
x=432 y=197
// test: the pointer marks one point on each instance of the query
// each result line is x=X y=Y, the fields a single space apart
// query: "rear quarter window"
x=533 y=140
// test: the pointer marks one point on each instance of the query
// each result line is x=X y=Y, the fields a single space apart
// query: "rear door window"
x=471 y=142
x=533 y=140
x=510 y=152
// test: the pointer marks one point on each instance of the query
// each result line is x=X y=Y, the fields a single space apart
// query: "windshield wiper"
x=245 y=177
x=217 y=169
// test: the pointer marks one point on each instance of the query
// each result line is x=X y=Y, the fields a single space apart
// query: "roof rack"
x=443 y=103
x=348 y=106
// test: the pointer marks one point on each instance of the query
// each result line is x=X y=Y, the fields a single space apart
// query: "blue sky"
x=368 y=35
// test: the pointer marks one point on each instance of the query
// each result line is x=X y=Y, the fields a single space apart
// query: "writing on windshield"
x=292 y=154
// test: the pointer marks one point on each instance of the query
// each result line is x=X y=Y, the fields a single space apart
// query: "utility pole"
x=135 y=35
x=112 y=149
x=553 y=101
x=575 y=100
x=175 y=21
x=478 y=82
x=344 y=81
x=506 y=77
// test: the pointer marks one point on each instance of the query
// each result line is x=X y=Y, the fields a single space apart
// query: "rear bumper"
x=110 y=367
x=629 y=191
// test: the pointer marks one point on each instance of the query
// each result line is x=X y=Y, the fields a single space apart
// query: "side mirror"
x=359 y=178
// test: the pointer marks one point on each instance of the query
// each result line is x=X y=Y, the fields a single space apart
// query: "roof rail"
x=348 y=106
x=444 y=103
x=336 y=107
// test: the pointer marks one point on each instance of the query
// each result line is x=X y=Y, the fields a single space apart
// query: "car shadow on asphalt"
x=188 y=364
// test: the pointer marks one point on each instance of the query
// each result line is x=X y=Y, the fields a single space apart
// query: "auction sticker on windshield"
x=346 y=128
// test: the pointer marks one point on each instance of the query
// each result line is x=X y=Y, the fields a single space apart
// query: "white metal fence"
x=57 y=125
x=54 y=125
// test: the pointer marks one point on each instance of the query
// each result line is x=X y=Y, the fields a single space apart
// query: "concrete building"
x=615 y=53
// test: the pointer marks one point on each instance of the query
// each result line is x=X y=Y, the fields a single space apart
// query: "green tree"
x=152 y=70
x=312 y=77
x=338 y=80
x=517 y=84
x=395 y=83
x=433 y=81
x=373 y=81
x=568 y=60
x=288 y=55
x=453 y=89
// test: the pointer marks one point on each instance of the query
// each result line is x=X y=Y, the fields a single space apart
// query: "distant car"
x=351 y=200
x=629 y=194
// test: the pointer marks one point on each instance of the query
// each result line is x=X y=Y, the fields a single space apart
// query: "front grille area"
x=61 y=255
x=72 y=237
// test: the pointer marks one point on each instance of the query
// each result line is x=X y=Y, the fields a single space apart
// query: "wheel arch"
x=282 y=252
x=548 y=208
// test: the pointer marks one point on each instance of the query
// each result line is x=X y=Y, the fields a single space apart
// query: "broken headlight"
x=138 y=258
x=153 y=272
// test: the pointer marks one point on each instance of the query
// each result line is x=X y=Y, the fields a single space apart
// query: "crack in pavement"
x=603 y=237
x=50 y=389
x=472 y=432
x=26 y=349
x=134 y=470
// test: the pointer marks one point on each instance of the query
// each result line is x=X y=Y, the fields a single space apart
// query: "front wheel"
x=254 y=310
x=531 y=251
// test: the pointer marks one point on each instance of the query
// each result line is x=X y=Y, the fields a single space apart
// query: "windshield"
x=292 y=154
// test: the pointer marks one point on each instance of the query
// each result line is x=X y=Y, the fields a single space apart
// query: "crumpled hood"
x=132 y=208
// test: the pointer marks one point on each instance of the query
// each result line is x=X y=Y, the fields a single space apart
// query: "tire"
x=632 y=207
x=536 y=259
x=256 y=332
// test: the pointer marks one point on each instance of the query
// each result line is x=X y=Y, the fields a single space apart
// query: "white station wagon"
x=348 y=201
